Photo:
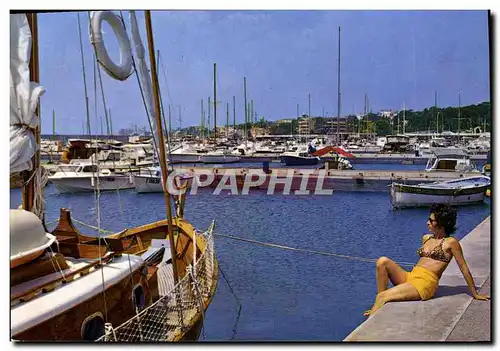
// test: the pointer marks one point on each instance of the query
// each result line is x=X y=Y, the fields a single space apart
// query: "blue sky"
x=393 y=56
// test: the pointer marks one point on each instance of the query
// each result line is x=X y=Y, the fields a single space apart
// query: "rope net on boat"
x=179 y=307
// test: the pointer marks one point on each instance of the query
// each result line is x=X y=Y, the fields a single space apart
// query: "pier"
x=452 y=314
x=337 y=180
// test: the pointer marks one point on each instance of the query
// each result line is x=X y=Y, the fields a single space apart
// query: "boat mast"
x=28 y=189
x=163 y=161
x=459 y=116
x=246 y=112
x=215 y=102
x=169 y=122
x=338 y=100
x=309 y=117
x=234 y=114
x=227 y=119
x=435 y=111
x=208 y=128
x=202 y=124
x=404 y=117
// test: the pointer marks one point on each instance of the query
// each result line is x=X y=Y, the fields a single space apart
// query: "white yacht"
x=187 y=153
x=85 y=178
x=219 y=156
x=148 y=180
x=449 y=160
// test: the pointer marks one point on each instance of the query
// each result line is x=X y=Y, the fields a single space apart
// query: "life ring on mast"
x=124 y=69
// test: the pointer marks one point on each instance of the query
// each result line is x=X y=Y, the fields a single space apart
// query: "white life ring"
x=123 y=70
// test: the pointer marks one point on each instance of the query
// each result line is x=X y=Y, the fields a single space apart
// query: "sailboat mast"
x=208 y=127
x=234 y=114
x=54 y=124
x=338 y=101
x=459 y=116
x=227 y=118
x=28 y=189
x=169 y=122
x=404 y=117
x=202 y=124
x=163 y=160
x=435 y=111
x=309 y=116
x=180 y=119
x=215 y=101
x=110 y=122
x=246 y=111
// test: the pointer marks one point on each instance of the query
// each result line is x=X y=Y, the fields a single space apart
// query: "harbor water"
x=285 y=295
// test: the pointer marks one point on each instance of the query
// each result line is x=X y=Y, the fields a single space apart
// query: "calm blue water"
x=286 y=295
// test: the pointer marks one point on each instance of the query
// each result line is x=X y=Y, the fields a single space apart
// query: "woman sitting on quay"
x=435 y=254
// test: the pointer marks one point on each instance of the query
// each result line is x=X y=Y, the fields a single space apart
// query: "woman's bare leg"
x=401 y=292
x=388 y=269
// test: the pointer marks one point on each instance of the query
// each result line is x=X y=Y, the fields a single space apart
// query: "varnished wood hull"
x=115 y=305
x=138 y=240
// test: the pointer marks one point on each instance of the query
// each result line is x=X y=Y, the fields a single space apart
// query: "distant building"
x=284 y=120
x=306 y=125
x=333 y=122
x=255 y=131
x=390 y=114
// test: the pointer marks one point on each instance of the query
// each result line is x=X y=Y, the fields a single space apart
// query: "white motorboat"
x=149 y=180
x=449 y=160
x=219 y=156
x=85 y=178
x=299 y=157
x=461 y=191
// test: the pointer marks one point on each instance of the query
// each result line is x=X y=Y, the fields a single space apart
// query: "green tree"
x=383 y=127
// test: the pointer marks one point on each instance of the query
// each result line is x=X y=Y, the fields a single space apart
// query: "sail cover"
x=24 y=96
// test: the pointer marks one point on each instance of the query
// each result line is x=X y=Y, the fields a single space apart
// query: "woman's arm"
x=456 y=250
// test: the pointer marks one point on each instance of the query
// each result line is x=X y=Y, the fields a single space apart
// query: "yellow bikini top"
x=436 y=253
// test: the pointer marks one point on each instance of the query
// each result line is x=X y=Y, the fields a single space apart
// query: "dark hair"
x=446 y=217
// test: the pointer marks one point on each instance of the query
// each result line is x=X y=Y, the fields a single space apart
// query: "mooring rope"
x=235 y=326
x=104 y=231
x=316 y=252
x=324 y=253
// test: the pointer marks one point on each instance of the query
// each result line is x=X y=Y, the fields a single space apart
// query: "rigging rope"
x=237 y=300
x=324 y=253
x=97 y=190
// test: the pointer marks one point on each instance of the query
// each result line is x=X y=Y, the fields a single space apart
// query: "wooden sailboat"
x=59 y=290
x=147 y=283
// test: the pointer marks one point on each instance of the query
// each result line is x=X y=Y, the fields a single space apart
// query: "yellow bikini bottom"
x=425 y=281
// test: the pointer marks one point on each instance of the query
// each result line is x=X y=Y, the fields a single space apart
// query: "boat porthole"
x=93 y=327
x=138 y=298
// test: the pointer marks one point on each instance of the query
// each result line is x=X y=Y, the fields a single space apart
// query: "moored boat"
x=149 y=180
x=449 y=160
x=219 y=156
x=299 y=157
x=135 y=285
x=461 y=191
x=87 y=178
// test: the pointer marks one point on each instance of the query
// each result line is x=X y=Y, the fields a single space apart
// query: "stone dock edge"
x=452 y=314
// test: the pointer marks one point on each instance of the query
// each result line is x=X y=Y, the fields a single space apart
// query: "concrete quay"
x=337 y=180
x=452 y=314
